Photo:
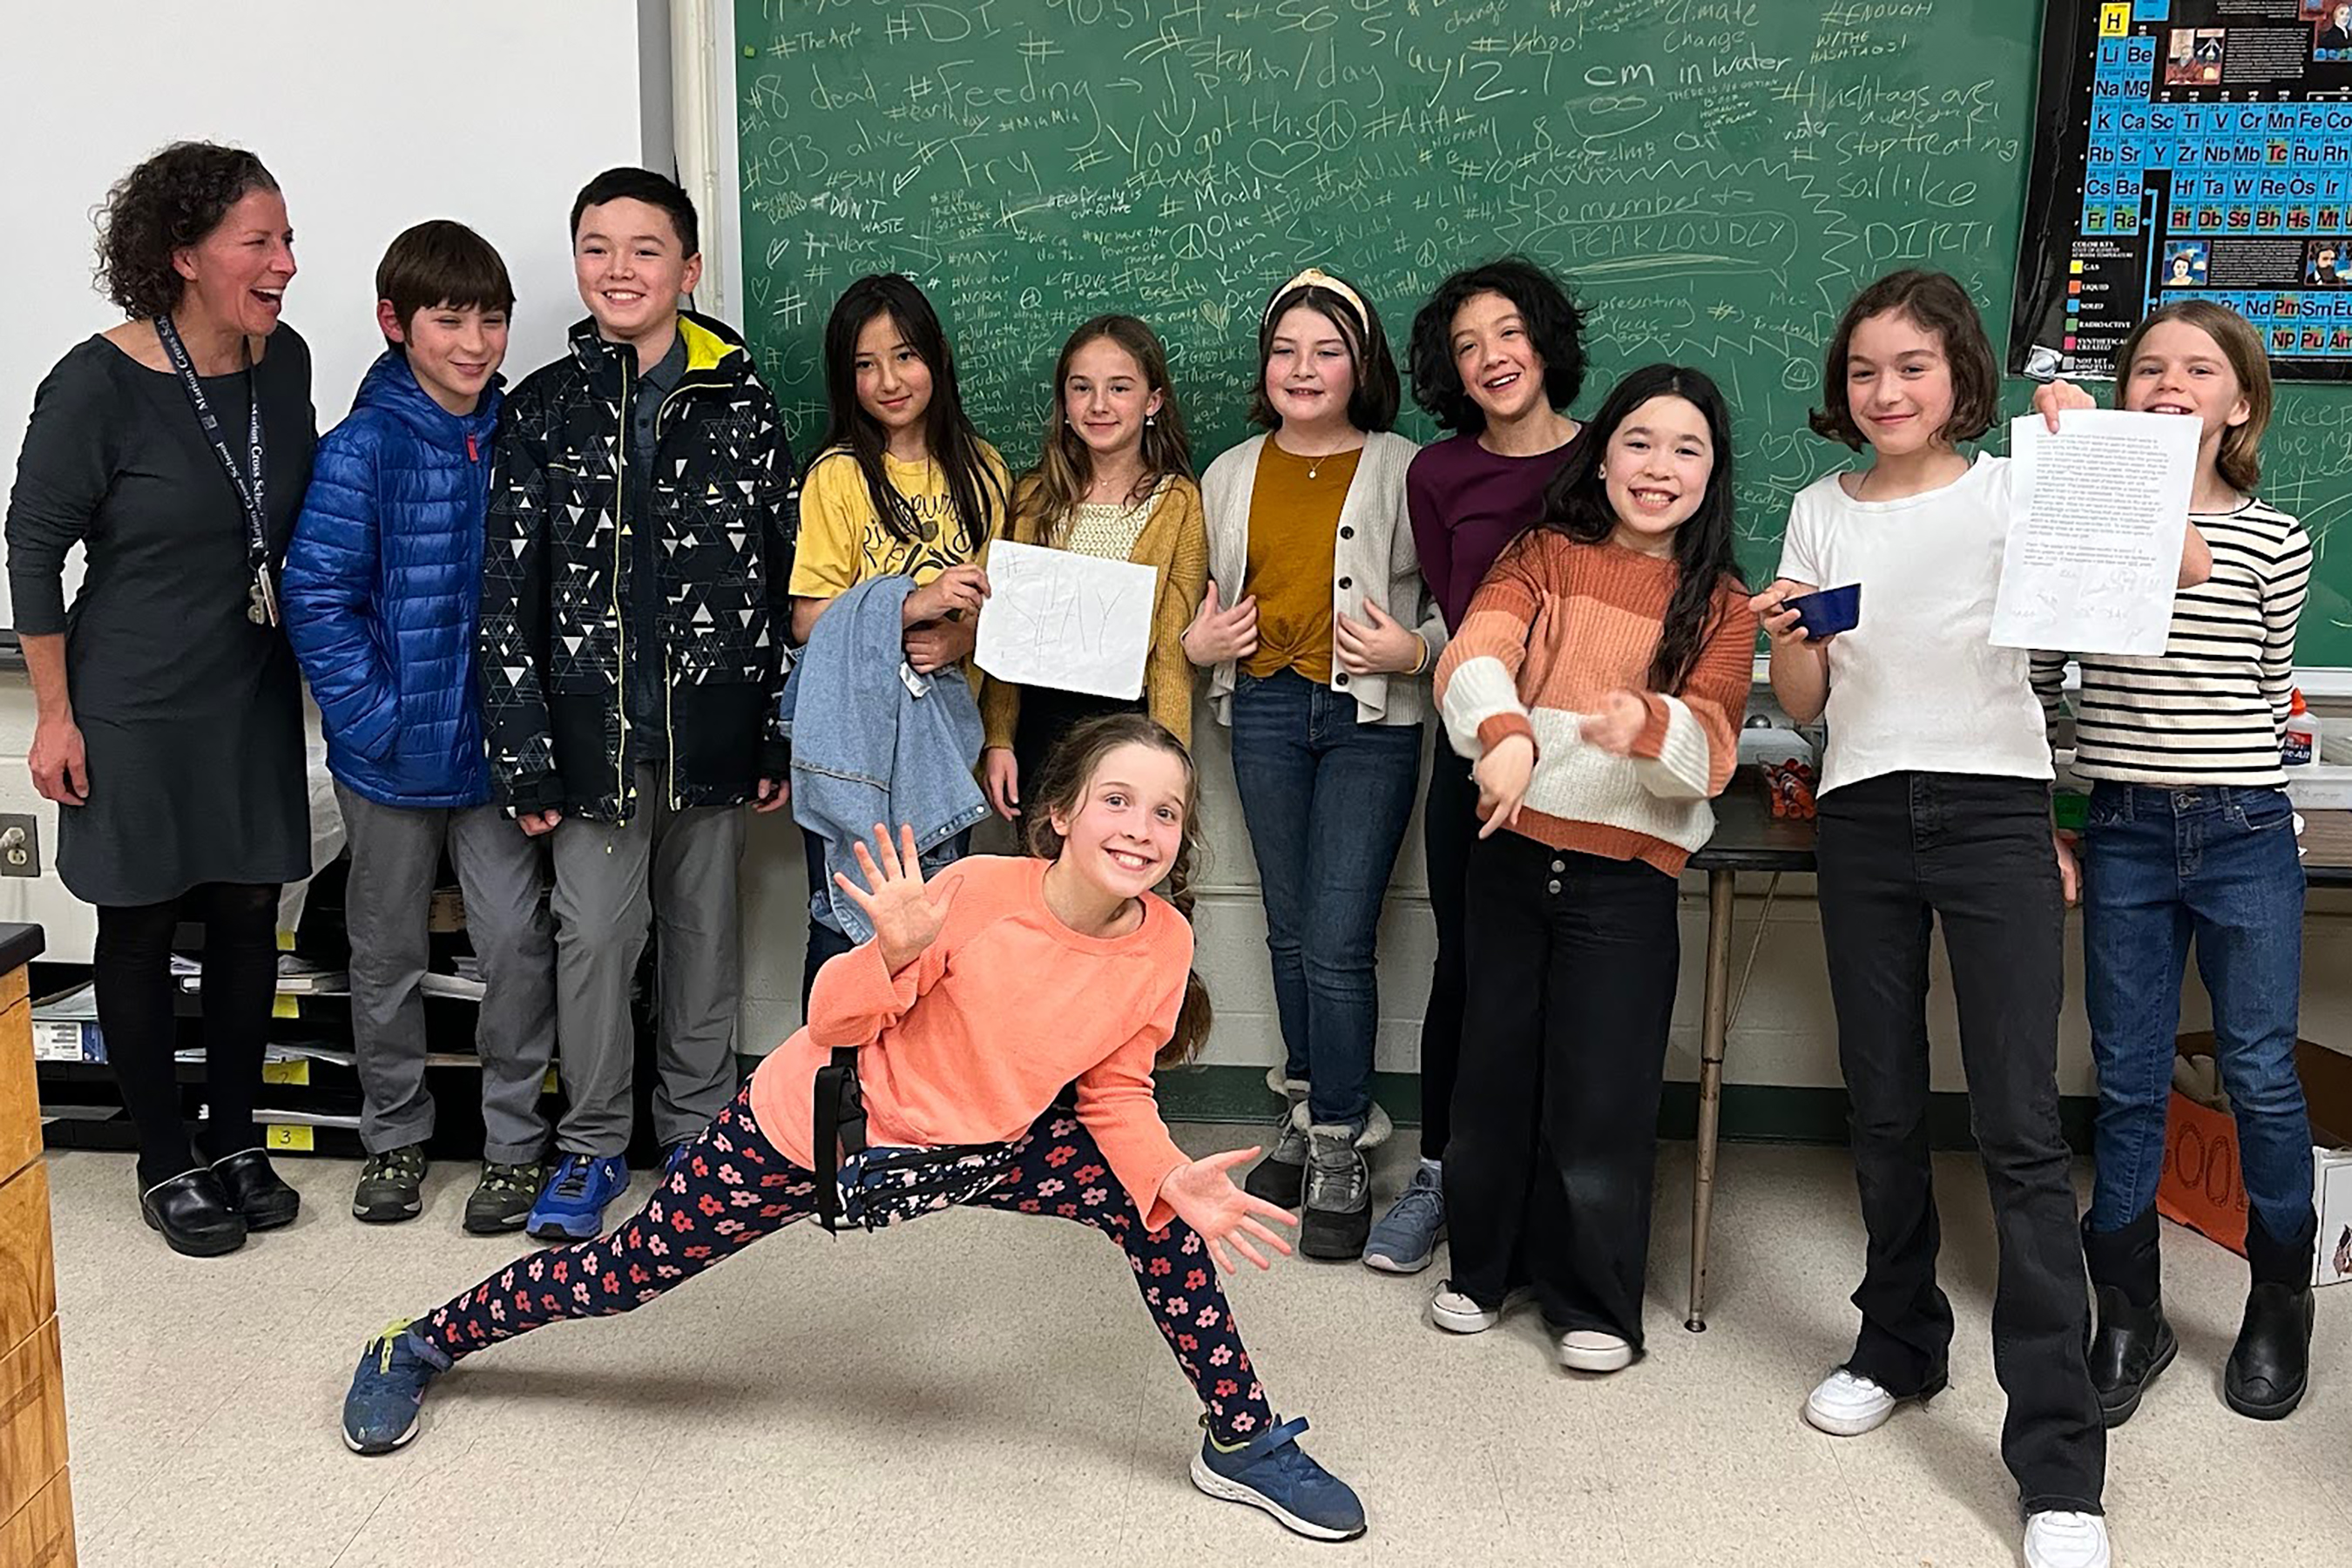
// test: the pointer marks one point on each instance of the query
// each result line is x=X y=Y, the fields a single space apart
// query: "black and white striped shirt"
x=2212 y=709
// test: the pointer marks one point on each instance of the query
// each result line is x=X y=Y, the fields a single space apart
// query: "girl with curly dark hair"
x=174 y=449
x=1497 y=356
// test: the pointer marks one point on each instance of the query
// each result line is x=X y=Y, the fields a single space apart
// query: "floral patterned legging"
x=733 y=1188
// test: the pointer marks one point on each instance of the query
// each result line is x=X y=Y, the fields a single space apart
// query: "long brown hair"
x=1062 y=789
x=2240 y=460
x=1065 y=464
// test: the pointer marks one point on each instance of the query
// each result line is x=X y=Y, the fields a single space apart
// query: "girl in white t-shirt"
x=1935 y=808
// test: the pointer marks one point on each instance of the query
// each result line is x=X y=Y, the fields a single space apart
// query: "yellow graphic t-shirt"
x=843 y=542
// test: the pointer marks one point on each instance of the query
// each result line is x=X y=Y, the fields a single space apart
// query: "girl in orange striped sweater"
x=1598 y=680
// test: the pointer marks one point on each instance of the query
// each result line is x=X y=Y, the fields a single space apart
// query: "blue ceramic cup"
x=1828 y=612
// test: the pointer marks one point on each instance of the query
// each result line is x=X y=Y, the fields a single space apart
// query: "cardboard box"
x=2201 y=1187
x=66 y=1040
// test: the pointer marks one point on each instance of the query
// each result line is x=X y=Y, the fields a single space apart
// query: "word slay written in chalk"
x=1072 y=622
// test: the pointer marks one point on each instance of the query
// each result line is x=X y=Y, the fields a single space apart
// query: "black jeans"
x=1899 y=853
x=131 y=965
x=1449 y=826
x=1571 y=990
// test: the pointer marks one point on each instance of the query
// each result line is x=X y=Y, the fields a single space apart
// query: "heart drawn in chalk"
x=1216 y=312
x=1278 y=160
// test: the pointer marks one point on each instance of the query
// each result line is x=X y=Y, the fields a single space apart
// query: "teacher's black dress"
x=191 y=715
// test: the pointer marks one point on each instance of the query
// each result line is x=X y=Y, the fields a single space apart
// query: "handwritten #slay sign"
x=1073 y=622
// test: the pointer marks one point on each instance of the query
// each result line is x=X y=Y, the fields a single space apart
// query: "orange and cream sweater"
x=1554 y=629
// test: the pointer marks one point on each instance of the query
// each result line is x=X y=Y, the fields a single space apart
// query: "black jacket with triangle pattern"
x=556 y=623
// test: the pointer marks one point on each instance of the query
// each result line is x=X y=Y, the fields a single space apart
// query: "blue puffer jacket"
x=383 y=591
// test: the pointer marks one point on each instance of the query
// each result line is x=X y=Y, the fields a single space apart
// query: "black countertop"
x=19 y=945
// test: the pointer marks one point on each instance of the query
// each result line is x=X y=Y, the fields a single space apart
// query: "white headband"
x=1316 y=278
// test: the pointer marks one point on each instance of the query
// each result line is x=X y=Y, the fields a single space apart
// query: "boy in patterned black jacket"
x=634 y=609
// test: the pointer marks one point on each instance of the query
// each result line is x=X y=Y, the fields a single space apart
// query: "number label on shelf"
x=296 y=1140
x=297 y=1073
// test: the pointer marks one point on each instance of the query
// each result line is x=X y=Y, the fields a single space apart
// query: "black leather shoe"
x=2131 y=1346
x=2270 y=1365
x=256 y=1191
x=193 y=1212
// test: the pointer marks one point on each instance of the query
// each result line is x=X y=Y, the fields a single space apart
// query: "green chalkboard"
x=1714 y=177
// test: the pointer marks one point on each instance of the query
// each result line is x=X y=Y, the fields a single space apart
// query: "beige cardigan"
x=1373 y=554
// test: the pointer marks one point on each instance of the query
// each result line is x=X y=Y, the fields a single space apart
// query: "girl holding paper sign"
x=1318 y=628
x=2184 y=749
x=902 y=486
x=1114 y=480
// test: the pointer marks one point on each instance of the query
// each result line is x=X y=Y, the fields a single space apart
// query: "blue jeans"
x=1326 y=800
x=2218 y=863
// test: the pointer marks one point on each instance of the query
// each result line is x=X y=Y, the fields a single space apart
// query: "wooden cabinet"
x=36 y=1502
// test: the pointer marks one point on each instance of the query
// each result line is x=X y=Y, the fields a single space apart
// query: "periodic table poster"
x=2189 y=149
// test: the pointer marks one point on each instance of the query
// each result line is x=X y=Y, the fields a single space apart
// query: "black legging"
x=132 y=964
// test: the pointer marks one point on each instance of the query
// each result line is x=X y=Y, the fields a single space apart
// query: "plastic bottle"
x=2302 y=741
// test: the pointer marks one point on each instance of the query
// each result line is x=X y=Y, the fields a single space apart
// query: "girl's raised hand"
x=2052 y=398
x=1379 y=643
x=1781 y=624
x=906 y=917
x=1203 y=1195
x=1618 y=724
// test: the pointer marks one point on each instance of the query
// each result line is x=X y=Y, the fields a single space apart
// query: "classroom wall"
x=351 y=186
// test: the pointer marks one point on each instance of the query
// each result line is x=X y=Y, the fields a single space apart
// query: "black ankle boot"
x=2132 y=1343
x=258 y=1192
x=193 y=1212
x=2270 y=1366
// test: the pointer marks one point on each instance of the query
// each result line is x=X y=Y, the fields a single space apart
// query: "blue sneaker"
x=1273 y=1472
x=571 y=1207
x=380 y=1412
x=1406 y=1237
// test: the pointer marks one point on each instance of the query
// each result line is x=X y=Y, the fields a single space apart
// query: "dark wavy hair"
x=1577 y=504
x=1554 y=325
x=167 y=204
x=1938 y=304
x=980 y=502
x=1373 y=404
x=1061 y=790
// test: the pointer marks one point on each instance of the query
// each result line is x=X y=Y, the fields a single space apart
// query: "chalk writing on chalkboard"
x=1714 y=177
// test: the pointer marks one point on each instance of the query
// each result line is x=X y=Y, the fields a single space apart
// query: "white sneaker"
x=2057 y=1540
x=1589 y=1350
x=1847 y=1404
x=1457 y=1314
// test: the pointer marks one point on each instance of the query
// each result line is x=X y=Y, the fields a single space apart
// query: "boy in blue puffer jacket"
x=381 y=593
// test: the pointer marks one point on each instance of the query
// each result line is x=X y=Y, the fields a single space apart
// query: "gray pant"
x=396 y=853
x=676 y=868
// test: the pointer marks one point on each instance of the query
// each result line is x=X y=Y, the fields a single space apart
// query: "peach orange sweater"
x=1555 y=627
x=970 y=1042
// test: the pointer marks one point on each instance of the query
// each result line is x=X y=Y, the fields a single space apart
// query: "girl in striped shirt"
x=1598 y=680
x=2190 y=834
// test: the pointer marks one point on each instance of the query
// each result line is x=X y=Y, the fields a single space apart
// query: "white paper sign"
x=1073 y=622
x=2097 y=515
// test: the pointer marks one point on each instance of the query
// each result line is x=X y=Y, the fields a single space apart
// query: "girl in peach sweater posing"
x=927 y=1074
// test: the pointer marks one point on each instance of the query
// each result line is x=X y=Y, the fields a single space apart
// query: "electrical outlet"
x=20 y=844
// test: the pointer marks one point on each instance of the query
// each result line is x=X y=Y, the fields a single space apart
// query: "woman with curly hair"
x=174 y=449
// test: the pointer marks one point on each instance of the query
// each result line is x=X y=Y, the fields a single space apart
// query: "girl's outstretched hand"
x=906 y=917
x=1203 y=1195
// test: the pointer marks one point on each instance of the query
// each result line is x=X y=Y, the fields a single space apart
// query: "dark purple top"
x=1467 y=504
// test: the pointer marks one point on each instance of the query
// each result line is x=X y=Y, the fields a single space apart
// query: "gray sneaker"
x=391 y=1185
x=1406 y=1237
x=1281 y=1177
x=1339 y=1212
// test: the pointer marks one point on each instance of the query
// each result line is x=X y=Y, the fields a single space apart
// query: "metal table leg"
x=1715 y=1026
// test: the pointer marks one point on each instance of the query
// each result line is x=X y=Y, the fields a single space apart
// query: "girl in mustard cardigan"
x=1114 y=480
